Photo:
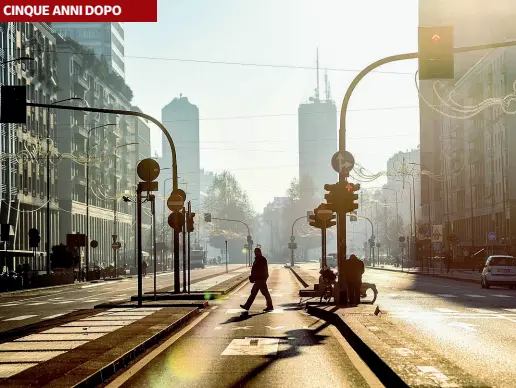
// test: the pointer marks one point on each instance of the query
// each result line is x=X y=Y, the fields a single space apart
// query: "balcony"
x=79 y=180
x=80 y=130
x=81 y=80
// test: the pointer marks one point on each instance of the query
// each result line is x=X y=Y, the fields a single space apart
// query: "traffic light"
x=334 y=197
x=313 y=220
x=351 y=206
x=207 y=217
x=353 y=216
x=190 y=222
x=332 y=221
x=436 y=53
x=14 y=105
x=292 y=245
x=34 y=238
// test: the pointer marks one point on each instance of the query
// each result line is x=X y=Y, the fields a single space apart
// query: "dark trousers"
x=259 y=285
x=354 y=291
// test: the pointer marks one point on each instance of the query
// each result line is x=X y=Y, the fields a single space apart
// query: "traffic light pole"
x=139 y=240
x=250 y=246
x=184 y=251
x=323 y=247
x=189 y=212
x=341 y=220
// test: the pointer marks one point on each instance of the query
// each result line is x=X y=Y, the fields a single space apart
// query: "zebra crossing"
x=62 y=301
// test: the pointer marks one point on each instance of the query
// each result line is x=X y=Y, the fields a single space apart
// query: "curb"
x=123 y=361
x=377 y=365
x=43 y=289
x=228 y=290
x=426 y=274
x=298 y=277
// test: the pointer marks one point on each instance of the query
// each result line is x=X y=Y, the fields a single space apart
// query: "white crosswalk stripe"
x=502 y=296
x=474 y=296
x=20 y=318
x=447 y=295
x=445 y=310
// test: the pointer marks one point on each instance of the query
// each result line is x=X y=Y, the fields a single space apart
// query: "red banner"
x=79 y=11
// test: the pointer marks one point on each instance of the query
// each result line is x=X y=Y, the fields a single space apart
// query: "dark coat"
x=354 y=270
x=260 y=270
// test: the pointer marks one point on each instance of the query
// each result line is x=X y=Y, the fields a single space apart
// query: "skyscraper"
x=317 y=120
x=105 y=39
x=181 y=118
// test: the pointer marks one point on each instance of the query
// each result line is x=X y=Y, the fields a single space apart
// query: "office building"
x=104 y=142
x=479 y=188
x=475 y=22
x=181 y=118
x=105 y=39
x=317 y=123
x=23 y=147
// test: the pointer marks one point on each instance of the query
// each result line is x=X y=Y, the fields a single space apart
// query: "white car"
x=499 y=271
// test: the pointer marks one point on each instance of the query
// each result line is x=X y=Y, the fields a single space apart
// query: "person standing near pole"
x=259 y=276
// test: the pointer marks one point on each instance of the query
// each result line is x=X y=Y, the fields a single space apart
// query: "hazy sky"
x=249 y=113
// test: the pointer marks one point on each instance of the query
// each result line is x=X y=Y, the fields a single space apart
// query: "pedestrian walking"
x=259 y=276
x=354 y=271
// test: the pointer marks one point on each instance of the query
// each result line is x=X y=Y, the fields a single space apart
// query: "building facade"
x=105 y=39
x=317 y=131
x=475 y=22
x=24 y=147
x=181 y=118
x=479 y=189
x=99 y=152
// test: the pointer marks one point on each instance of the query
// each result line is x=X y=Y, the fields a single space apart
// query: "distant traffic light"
x=34 y=238
x=207 y=217
x=14 y=104
x=353 y=216
x=436 y=53
x=190 y=222
x=332 y=221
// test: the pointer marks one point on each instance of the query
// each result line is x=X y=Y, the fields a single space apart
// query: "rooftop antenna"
x=327 y=86
x=317 y=88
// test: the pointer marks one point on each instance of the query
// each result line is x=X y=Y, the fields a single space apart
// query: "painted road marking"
x=217 y=328
x=242 y=328
x=481 y=311
x=20 y=318
x=475 y=296
x=502 y=296
x=511 y=310
x=65 y=302
x=36 y=304
x=436 y=375
x=276 y=311
x=373 y=328
x=54 y=316
x=274 y=328
x=444 y=310
x=252 y=347
x=447 y=295
x=9 y=304
x=405 y=352
x=462 y=325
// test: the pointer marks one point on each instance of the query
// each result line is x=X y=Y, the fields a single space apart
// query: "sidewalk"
x=396 y=358
x=455 y=274
x=86 y=347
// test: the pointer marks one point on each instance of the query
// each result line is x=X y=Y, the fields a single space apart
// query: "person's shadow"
x=242 y=317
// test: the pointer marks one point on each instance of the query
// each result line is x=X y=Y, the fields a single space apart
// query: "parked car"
x=499 y=271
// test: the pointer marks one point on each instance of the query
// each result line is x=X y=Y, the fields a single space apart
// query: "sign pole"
x=189 y=213
x=184 y=252
x=323 y=238
x=139 y=241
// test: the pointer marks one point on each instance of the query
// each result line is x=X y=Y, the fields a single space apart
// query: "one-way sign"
x=342 y=162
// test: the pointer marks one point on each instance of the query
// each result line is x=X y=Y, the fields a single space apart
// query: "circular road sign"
x=179 y=192
x=148 y=170
x=94 y=244
x=491 y=236
x=292 y=238
x=323 y=214
x=342 y=162
x=116 y=245
x=176 y=220
x=175 y=202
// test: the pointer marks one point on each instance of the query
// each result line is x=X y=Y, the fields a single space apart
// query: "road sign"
x=401 y=239
x=114 y=236
x=175 y=202
x=176 y=220
x=436 y=246
x=491 y=236
x=148 y=170
x=323 y=213
x=308 y=214
x=342 y=162
x=116 y=245
x=437 y=233
x=94 y=244
x=292 y=238
x=179 y=192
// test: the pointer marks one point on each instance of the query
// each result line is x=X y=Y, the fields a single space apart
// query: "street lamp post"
x=292 y=239
x=115 y=202
x=163 y=232
x=49 y=235
x=87 y=248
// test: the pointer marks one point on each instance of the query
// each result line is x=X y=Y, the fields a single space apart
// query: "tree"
x=227 y=200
